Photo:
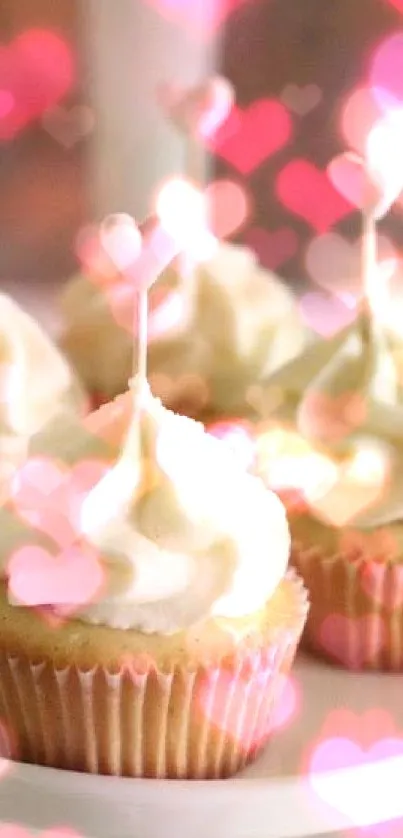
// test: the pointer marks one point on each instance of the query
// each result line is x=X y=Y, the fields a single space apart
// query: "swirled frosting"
x=345 y=396
x=36 y=384
x=235 y=323
x=183 y=532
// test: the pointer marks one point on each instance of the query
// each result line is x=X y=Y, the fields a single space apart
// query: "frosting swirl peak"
x=345 y=396
x=187 y=533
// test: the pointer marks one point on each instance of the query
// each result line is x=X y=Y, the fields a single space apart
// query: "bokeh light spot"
x=238 y=437
x=228 y=207
x=386 y=73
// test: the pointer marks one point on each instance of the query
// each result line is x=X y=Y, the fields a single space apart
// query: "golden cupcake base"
x=196 y=705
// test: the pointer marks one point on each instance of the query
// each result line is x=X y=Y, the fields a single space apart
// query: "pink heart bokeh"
x=273 y=247
x=72 y=578
x=36 y=71
x=200 y=110
x=386 y=71
x=383 y=584
x=352 y=641
x=229 y=206
x=288 y=705
x=397 y=4
x=334 y=263
x=347 y=174
x=360 y=112
x=68 y=125
x=48 y=496
x=13 y=830
x=251 y=136
x=324 y=314
x=354 y=797
x=301 y=99
x=121 y=240
x=307 y=192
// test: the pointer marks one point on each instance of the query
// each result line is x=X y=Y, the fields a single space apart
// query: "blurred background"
x=81 y=133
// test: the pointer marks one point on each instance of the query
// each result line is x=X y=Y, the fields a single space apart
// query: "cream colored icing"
x=36 y=384
x=238 y=323
x=184 y=533
x=345 y=396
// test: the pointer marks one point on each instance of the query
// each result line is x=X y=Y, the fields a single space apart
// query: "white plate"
x=274 y=798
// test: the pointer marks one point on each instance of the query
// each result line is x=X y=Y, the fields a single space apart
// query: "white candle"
x=131 y=48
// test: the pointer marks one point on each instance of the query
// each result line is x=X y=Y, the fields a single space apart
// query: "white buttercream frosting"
x=238 y=323
x=36 y=384
x=345 y=396
x=183 y=532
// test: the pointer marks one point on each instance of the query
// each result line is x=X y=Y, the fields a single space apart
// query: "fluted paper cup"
x=356 y=608
x=137 y=720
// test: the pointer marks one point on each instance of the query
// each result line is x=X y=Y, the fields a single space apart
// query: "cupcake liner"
x=138 y=721
x=97 y=400
x=356 y=612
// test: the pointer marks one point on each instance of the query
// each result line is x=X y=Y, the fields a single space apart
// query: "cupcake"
x=36 y=385
x=172 y=665
x=334 y=452
x=213 y=334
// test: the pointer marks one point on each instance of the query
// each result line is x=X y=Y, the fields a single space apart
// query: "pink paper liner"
x=356 y=612
x=141 y=722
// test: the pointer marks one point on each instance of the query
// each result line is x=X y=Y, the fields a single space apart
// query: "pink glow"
x=200 y=110
x=347 y=173
x=336 y=629
x=386 y=72
x=334 y=263
x=325 y=314
x=13 y=830
x=250 y=137
x=48 y=496
x=182 y=211
x=273 y=247
x=301 y=99
x=229 y=207
x=288 y=705
x=39 y=68
x=72 y=578
x=369 y=742
x=121 y=240
x=307 y=192
x=397 y=4
x=359 y=114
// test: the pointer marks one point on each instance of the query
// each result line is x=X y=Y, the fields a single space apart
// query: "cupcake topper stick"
x=368 y=259
x=373 y=184
x=121 y=239
x=177 y=226
x=140 y=362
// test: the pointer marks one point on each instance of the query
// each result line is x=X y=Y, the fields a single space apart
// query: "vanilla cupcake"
x=36 y=385
x=213 y=335
x=172 y=667
x=334 y=450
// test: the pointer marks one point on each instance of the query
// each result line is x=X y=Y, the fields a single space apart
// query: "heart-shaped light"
x=121 y=240
x=349 y=175
x=373 y=182
x=200 y=110
x=72 y=578
x=385 y=159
